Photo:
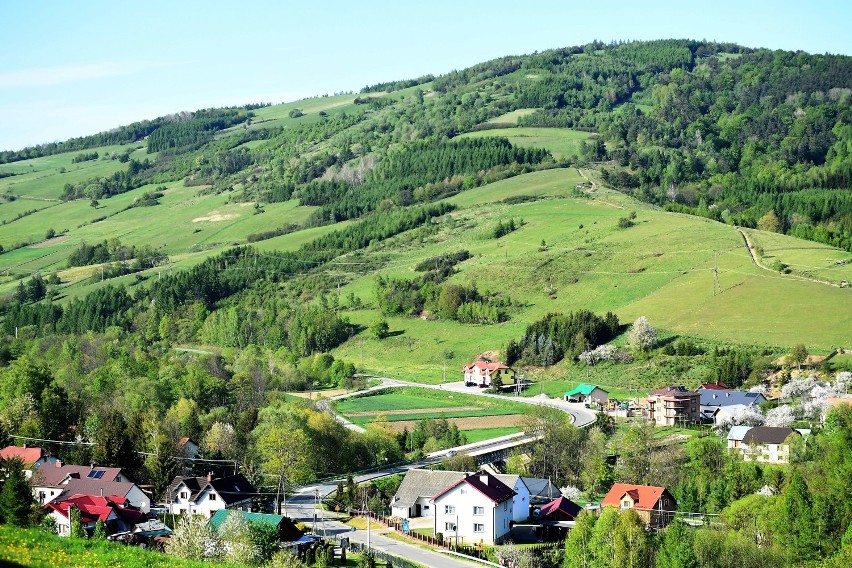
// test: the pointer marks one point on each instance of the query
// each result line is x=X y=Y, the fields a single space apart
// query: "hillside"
x=413 y=226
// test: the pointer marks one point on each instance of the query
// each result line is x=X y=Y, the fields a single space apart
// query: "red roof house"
x=31 y=456
x=482 y=373
x=557 y=517
x=655 y=505
x=116 y=513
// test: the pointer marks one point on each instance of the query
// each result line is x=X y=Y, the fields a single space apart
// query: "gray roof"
x=738 y=432
x=51 y=475
x=719 y=397
x=419 y=483
x=542 y=488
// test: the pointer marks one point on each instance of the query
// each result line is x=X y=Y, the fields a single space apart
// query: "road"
x=300 y=507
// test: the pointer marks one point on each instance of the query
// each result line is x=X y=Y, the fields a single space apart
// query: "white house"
x=205 y=495
x=482 y=373
x=475 y=509
x=736 y=435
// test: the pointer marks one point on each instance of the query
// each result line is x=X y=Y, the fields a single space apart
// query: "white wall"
x=520 y=502
x=494 y=523
x=138 y=498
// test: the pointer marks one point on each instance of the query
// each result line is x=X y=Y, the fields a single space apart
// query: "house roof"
x=644 y=496
x=541 y=488
x=727 y=397
x=29 y=455
x=231 y=489
x=712 y=386
x=94 y=507
x=674 y=390
x=584 y=390
x=419 y=483
x=53 y=475
x=261 y=518
x=738 y=432
x=486 y=365
x=491 y=487
x=94 y=487
x=562 y=504
x=768 y=435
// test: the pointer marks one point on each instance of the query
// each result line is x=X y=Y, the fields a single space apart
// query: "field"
x=814 y=260
x=562 y=142
x=403 y=408
x=662 y=268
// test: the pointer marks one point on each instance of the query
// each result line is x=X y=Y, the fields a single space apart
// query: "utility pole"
x=506 y=246
x=716 y=272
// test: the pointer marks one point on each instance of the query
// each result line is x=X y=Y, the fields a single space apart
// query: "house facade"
x=767 y=444
x=476 y=509
x=49 y=480
x=655 y=505
x=673 y=405
x=587 y=393
x=205 y=495
x=482 y=373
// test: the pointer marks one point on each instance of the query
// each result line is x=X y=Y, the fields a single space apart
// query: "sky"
x=77 y=68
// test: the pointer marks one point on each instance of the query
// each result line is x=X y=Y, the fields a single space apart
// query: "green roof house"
x=286 y=529
x=587 y=393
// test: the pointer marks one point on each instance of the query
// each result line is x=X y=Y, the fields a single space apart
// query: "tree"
x=113 y=447
x=631 y=543
x=235 y=535
x=642 y=336
x=602 y=544
x=769 y=222
x=676 y=547
x=285 y=453
x=219 y=441
x=16 y=496
x=799 y=355
x=577 y=545
x=77 y=528
x=796 y=522
x=161 y=465
x=100 y=530
x=597 y=472
x=193 y=539
x=380 y=328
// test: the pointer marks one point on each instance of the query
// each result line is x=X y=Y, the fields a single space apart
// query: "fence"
x=395 y=561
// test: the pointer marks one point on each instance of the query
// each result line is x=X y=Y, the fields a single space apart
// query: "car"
x=451 y=453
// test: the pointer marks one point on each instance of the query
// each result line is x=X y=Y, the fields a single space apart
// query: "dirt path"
x=750 y=246
x=594 y=188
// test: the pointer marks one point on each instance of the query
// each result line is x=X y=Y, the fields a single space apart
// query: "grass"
x=480 y=434
x=807 y=258
x=561 y=142
x=661 y=268
x=36 y=548
x=429 y=402
x=512 y=117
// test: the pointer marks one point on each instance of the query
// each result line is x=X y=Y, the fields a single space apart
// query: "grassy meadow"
x=561 y=142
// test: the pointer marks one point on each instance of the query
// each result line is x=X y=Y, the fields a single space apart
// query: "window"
x=625 y=504
x=479 y=510
x=449 y=510
x=449 y=527
x=505 y=505
x=212 y=496
x=665 y=502
x=184 y=495
x=478 y=527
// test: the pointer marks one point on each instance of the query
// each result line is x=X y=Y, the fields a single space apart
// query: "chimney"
x=484 y=478
x=102 y=491
x=209 y=476
x=59 y=463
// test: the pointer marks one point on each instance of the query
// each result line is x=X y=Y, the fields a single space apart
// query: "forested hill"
x=748 y=136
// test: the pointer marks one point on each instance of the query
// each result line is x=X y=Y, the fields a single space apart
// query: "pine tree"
x=16 y=497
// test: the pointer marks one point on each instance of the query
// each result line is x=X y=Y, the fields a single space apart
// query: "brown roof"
x=713 y=386
x=49 y=475
x=492 y=488
x=28 y=455
x=95 y=487
x=562 y=504
x=644 y=496
x=678 y=390
x=767 y=435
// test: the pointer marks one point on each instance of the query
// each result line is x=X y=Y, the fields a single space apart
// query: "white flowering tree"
x=781 y=416
x=193 y=539
x=798 y=387
x=238 y=545
x=570 y=492
x=843 y=381
x=604 y=352
x=759 y=389
x=642 y=336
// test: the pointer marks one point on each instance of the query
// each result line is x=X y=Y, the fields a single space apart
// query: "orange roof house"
x=655 y=505
x=483 y=371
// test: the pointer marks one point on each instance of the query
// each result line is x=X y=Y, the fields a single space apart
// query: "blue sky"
x=71 y=69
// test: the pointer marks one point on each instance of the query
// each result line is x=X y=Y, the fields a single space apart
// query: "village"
x=469 y=513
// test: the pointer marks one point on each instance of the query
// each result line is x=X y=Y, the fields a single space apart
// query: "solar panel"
x=96 y=474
